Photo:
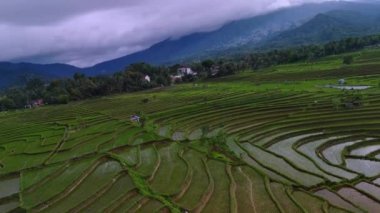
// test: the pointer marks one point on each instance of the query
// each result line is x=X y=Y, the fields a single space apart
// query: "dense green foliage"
x=132 y=79
x=309 y=53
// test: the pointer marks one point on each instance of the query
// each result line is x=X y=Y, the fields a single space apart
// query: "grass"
x=268 y=140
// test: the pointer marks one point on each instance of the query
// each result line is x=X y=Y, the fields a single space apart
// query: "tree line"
x=81 y=87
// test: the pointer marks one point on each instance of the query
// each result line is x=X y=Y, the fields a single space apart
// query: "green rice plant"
x=359 y=199
x=220 y=199
x=57 y=184
x=271 y=195
x=335 y=199
x=84 y=190
x=171 y=168
x=198 y=184
x=116 y=189
x=282 y=167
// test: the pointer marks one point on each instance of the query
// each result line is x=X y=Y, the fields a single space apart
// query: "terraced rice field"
x=237 y=144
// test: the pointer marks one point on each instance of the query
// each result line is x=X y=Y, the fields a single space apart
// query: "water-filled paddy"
x=348 y=87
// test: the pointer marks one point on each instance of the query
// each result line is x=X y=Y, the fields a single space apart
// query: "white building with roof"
x=183 y=71
x=147 y=78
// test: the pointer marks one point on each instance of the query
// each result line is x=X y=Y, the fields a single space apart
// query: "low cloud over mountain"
x=86 y=32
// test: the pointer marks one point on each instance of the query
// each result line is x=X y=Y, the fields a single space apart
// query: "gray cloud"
x=86 y=32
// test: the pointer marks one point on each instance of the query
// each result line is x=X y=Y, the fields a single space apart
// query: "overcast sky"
x=86 y=32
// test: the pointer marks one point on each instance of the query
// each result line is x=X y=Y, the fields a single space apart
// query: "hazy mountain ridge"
x=250 y=32
x=19 y=73
x=253 y=33
x=328 y=26
x=306 y=24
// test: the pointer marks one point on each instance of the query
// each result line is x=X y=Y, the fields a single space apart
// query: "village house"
x=34 y=104
x=37 y=102
x=215 y=70
x=175 y=78
x=147 y=78
x=182 y=72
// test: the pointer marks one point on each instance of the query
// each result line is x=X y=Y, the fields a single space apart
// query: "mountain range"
x=300 y=25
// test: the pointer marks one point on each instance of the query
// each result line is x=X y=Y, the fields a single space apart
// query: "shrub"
x=63 y=99
x=7 y=103
x=350 y=99
x=348 y=59
x=145 y=100
x=60 y=99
